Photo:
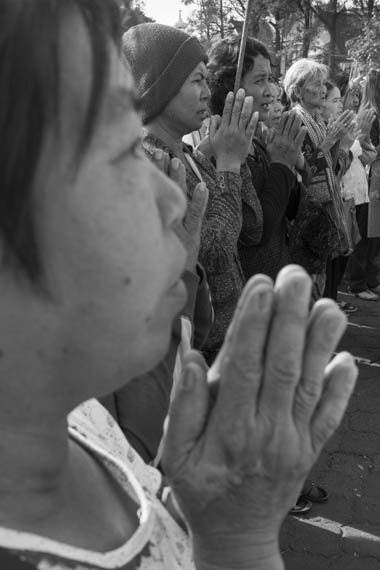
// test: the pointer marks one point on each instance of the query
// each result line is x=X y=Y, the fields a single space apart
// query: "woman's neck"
x=54 y=488
x=171 y=138
x=33 y=462
x=312 y=110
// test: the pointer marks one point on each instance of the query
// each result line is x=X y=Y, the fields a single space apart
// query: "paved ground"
x=344 y=533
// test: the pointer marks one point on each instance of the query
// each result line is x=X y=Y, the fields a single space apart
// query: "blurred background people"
x=318 y=232
x=362 y=270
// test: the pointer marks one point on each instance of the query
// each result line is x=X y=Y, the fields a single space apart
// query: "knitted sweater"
x=221 y=228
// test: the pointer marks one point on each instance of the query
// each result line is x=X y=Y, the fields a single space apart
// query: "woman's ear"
x=297 y=92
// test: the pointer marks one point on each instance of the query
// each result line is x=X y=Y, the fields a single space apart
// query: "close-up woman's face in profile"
x=107 y=229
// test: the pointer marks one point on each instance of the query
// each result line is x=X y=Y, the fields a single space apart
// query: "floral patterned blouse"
x=159 y=543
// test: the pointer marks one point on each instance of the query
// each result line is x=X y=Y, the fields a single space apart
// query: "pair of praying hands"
x=344 y=129
x=243 y=436
x=229 y=137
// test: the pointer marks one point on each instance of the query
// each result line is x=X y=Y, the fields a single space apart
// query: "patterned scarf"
x=317 y=132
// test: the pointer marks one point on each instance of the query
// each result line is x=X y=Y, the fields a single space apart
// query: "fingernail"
x=264 y=301
x=333 y=324
x=158 y=154
x=175 y=163
x=201 y=187
x=188 y=379
x=301 y=287
x=241 y=92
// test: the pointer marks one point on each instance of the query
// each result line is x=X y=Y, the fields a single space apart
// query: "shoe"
x=347 y=308
x=367 y=295
x=375 y=289
x=301 y=507
x=313 y=492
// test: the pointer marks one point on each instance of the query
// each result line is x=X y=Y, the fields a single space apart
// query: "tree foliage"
x=365 y=48
x=132 y=13
x=292 y=27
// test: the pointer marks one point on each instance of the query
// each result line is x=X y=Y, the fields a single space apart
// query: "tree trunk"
x=277 y=29
x=205 y=19
x=370 y=7
x=306 y=31
x=221 y=18
x=332 y=31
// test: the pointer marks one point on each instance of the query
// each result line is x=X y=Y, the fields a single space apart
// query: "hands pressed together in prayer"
x=229 y=136
x=189 y=229
x=364 y=120
x=343 y=129
x=237 y=459
x=285 y=143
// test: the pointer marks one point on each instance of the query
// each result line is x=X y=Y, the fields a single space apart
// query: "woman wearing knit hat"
x=169 y=68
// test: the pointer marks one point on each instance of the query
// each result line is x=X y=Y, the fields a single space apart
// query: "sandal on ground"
x=301 y=507
x=347 y=308
x=314 y=493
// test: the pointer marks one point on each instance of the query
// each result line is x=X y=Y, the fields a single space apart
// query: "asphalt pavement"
x=344 y=532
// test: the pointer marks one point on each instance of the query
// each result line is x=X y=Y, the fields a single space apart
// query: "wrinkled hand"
x=189 y=230
x=205 y=146
x=230 y=136
x=336 y=128
x=364 y=120
x=285 y=144
x=237 y=462
x=349 y=135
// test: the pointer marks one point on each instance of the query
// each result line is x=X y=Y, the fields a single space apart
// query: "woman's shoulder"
x=151 y=143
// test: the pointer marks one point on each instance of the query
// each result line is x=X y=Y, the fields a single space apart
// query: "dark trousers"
x=361 y=271
x=335 y=269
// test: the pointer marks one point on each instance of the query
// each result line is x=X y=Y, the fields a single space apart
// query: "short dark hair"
x=222 y=66
x=29 y=102
x=330 y=85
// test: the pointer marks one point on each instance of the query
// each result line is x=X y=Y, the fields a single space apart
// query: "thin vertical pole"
x=242 y=46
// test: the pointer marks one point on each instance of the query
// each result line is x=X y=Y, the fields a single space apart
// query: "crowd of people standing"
x=166 y=359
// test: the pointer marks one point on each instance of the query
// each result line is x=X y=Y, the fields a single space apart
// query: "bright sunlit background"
x=166 y=11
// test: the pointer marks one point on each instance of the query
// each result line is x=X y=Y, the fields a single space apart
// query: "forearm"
x=343 y=163
x=230 y=554
x=369 y=153
x=271 y=563
x=222 y=223
x=252 y=228
x=203 y=312
x=305 y=173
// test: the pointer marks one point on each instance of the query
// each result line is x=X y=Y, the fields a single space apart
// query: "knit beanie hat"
x=161 y=58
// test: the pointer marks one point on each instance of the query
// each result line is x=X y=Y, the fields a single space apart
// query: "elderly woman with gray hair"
x=319 y=232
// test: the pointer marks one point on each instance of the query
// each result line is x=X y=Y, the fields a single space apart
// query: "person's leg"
x=341 y=264
x=332 y=278
x=372 y=270
x=357 y=263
